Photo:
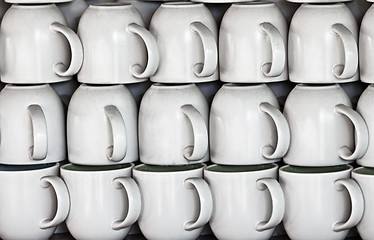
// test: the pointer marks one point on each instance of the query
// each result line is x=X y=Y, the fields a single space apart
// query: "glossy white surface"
x=101 y=201
x=325 y=130
x=175 y=205
x=102 y=126
x=322 y=44
x=366 y=47
x=319 y=205
x=246 y=126
x=253 y=44
x=173 y=125
x=32 y=125
x=51 y=52
x=186 y=34
x=244 y=202
x=117 y=47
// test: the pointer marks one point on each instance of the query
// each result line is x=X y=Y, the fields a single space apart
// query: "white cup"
x=253 y=43
x=102 y=126
x=321 y=202
x=104 y=200
x=246 y=126
x=32 y=125
x=248 y=202
x=186 y=34
x=173 y=125
x=73 y=11
x=44 y=50
x=176 y=201
x=322 y=44
x=366 y=47
x=33 y=201
x=117 y=47
x=325 y=130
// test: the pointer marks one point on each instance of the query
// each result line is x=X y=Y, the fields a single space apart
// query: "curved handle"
x=283 y=132
x=278 y=49
x=362 y=134
x=134 y=201
x=206 y=202
x=152 y=51
x=277 y=199
x=62 y=202
x=208 y=40
x=76 y=51
x=357 y=203
x=200 y=134
x=349 y=69
x=38 y=151
x=117 y=151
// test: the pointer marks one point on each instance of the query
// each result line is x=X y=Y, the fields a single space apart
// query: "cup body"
x=173 y=125
x=186 y=34
x=102 y=126
x=366 y=47
x=322 y=44
x=253 y=44
x=32 y=125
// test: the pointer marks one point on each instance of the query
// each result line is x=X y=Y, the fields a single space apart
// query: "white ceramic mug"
x=117 y=47
x=322 y=44
x=73 y=11
x=33 y=201
x=102 y=126
x=186 y=34
x=325 y=130
x=246 y=126
x=173 y=125
x=104 y=200
x=248 y=202
x=253 y=43
x=321 y=202
x=32 y=125
x=176 y=201
x=44 y=50
x=366 y=47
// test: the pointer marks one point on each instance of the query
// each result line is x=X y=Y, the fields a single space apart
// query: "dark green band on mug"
x=154 y=168
x=240 y=168
x=296 y=169
x=10 y=168
x=365 y=170
x=76 y=167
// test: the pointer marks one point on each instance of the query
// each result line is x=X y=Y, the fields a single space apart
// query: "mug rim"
x=193 y=167
x=99 y=86
x=115 y=5
x=344 y=168
x=180 y=4
x=243 y=86
x=33 y=167
x=322 y=5
x=263 y=168
x=254 y=4
x=27 y=86
x=172 y=86
x=33 y=6
x=317 y=86
x=96 y=168
x=366 y=174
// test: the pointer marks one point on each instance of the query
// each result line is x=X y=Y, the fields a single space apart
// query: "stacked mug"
x=248 y=132
x=33 y=198
x=327 y=134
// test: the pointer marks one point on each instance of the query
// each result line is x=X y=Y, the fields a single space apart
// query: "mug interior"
x=330 y=169
x=14 y=168
x=365 y=170
x=240 y=168
x=177 y=168
x=87 y=168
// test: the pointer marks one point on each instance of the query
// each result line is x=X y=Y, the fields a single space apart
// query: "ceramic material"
x=321 y=203
x=32 y=125
x=117 y=47
x=33 y=201
x=186 y=34
x=104 y=201
x=253 y=44
x=255 y=198
x=44 y=50
x=366 y=47
x=102 y=126
x=73 y=11
x=173 y=125
x=246 y=126
x=145 y=8
x=36 y=1
x=322 y=44
x=176 y=201
x=325 y=130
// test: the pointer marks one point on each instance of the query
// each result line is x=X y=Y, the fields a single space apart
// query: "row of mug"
x=176 y=202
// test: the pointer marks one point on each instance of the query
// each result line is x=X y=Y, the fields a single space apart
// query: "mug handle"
x=76 y=51
x=200 y=134
x=117 y=151
x=209 y=66
x=278 y=49
x=206 y=202
x=357 y=203
x=152 y=51
x=283 y=132
x=39 y=131
x=134 y=202
x=277 y=199
x=348 y=70
x=362 y=133
x=63 y=201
